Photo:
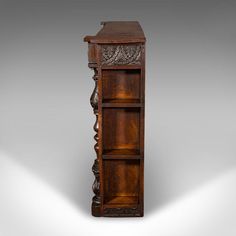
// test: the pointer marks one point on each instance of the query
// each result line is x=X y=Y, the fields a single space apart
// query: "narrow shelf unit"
x=117 y=56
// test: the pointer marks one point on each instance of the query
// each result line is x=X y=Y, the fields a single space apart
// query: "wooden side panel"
x=92 y=54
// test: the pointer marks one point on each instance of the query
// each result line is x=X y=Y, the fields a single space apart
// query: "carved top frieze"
x=121 y=54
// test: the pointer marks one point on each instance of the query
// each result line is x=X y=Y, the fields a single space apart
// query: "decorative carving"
x=121 y=54
x=134 y=211
x=96 y=185
x=94 y=96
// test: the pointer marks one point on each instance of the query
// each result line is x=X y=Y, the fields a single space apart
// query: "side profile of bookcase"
x=117 y=56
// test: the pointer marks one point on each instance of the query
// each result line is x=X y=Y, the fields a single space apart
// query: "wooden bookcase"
x=117 y=56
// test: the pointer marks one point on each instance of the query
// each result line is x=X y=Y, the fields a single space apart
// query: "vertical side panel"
x=98 y=50
x=142 y=131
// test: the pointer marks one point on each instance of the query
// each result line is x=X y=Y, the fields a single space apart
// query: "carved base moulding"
x=117 y=56
x=120 y=212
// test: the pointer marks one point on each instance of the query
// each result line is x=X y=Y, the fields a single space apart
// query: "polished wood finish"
x=118 y=32
x=117 y=56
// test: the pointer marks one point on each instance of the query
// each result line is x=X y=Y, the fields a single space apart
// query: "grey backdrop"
x=45 y=116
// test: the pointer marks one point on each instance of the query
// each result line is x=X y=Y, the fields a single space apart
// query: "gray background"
x=45 y=116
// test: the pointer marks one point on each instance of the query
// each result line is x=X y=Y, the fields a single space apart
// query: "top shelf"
x=118 y=32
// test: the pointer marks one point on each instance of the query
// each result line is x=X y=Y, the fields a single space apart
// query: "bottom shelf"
x=122 y=206
x=121 y=200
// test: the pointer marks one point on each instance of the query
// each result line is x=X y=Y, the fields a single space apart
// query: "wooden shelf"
x=121 y=154
x=120 y=200
x=121 y=103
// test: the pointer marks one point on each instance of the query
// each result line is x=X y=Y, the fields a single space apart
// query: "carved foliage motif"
x=121 y=54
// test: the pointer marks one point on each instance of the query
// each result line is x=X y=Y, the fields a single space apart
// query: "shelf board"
x=121 y=154
x=120 y=200
x=121 y=103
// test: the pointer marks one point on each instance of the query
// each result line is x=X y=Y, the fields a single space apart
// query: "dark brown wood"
x=117 y=56
x=121 y=84
x=118 y=32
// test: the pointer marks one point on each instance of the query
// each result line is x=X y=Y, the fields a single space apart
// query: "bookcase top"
x=118 y=32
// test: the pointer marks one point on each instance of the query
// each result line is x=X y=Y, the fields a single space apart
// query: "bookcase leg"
x=96 y=201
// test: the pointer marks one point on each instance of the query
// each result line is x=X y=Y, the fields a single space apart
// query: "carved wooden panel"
x=121 y=54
